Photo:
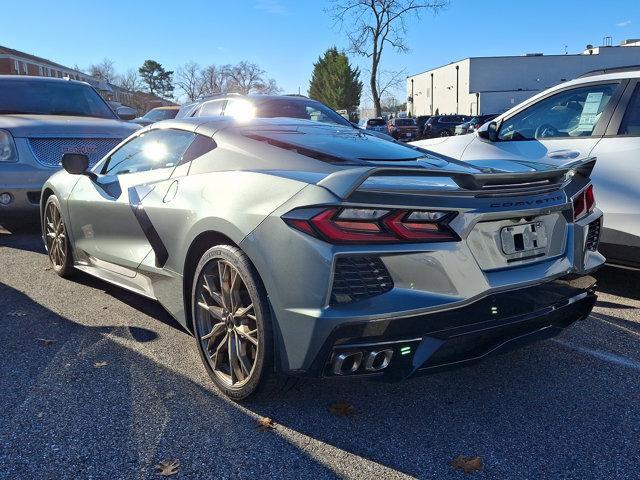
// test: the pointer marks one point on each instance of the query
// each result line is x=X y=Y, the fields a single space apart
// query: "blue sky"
x=285 y=37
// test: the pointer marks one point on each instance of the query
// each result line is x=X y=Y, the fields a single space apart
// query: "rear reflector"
x=583 y=203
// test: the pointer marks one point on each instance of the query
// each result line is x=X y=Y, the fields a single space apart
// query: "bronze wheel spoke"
x=248 y=335
x=212 y=293
x=217 y=329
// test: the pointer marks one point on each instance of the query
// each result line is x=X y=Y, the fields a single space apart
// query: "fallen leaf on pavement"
x=47 y=268
x=40 y=414
x=46 y=341
x=166 y=468
x=468 y=464
x=265 y=423
x=99 y=364
x=342 y=409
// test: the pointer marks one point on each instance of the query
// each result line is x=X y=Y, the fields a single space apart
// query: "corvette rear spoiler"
x=483 y=183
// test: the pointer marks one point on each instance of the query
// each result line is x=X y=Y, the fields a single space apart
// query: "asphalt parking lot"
x=99 y=383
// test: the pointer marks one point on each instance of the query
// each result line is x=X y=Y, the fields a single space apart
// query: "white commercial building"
x=483 y=85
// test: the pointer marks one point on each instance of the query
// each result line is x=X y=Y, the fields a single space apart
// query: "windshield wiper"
x=16 y=112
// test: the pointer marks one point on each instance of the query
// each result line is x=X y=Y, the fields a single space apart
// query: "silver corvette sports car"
x=293 y=248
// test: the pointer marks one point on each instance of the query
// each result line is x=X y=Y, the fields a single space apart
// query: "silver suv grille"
x=49 y=151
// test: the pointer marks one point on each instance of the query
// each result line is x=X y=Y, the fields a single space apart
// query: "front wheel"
x=56 y=238
x=232 y=323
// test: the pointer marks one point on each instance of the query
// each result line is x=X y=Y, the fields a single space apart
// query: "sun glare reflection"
x=155 y=151
x=240 y=110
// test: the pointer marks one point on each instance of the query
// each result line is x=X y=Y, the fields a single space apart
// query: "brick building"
x=15 y=62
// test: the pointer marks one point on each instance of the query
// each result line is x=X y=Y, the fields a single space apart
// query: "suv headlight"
x=8 y=152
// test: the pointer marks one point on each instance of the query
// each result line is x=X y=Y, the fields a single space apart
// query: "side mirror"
x=125 y=113
x=77 y=164
x=489 y=132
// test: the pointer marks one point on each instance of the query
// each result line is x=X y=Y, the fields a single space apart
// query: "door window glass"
x=631 y=122
x=161 y=148
x=210 y=109
x=572 y=113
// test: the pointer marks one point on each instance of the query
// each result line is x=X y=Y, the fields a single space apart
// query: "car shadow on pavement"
x=77 y=402
x=621 y=282
x=20 y=241
x=145 y=305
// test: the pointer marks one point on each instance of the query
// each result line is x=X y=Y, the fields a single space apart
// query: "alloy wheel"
x=56 y=236
x=226 y=325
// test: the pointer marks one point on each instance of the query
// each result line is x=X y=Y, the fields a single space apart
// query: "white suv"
x=595 y=115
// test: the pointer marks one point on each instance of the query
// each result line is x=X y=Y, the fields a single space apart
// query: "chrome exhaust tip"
x=347 y=362
x=378 y=360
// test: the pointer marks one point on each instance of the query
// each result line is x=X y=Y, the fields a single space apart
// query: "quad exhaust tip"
x=378 y=360
x=350 y=361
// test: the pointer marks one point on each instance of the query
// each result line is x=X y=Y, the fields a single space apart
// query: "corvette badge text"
x=527 y=203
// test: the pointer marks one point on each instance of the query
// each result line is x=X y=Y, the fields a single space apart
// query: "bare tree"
x=129 y=80
x=189 y=80
x=269 y=87
x=372 y=25
x=248 y=77
x=104 y=70
x=215 y=79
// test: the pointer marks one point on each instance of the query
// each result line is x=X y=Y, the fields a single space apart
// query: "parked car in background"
x=286 y=249
x=473 y=124
x=421 y=120
x=596 y=115
x=404 y=129
x=376 y=125
x=262 y=106
x=156 y=115
x=245 y=107
x=442 y=125
x=41 y=119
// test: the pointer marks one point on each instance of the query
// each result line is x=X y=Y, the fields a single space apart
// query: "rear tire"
x=232 y=325
x=57 y=239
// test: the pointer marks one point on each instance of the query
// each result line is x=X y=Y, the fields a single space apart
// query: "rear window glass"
x=375 y=122
x=405 y=122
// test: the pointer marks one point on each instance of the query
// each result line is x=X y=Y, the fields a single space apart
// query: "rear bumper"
x=494 y=324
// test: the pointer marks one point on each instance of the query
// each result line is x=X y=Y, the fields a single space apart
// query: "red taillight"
x=583 y=203
x=415 y=231
x=362 y=225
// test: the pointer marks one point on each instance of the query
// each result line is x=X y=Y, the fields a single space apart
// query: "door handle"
x=171 y=192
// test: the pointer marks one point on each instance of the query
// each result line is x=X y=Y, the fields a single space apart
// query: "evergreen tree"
x=334 y=82
x=158 y=80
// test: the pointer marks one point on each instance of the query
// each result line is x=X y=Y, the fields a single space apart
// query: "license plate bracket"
x=524 y=238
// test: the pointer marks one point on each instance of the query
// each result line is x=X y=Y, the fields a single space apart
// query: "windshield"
x=376 y=122
x=37 y=97
x=160 y=114
x=295 y=107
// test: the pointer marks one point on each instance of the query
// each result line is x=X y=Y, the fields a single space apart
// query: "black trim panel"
x=161 y=253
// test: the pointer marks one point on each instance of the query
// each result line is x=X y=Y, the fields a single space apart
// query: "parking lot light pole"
x=432 y=94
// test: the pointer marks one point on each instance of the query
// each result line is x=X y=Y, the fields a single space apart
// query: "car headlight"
x=8 y=152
